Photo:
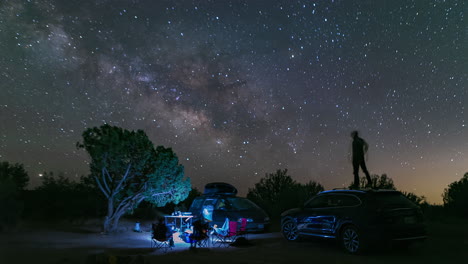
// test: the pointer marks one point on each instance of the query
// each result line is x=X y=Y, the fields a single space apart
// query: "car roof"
x=359 y=191
x=218 y=195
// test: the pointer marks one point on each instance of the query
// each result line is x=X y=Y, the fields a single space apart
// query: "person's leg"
x=356 y=173
x=364 y=169
x=171 y=242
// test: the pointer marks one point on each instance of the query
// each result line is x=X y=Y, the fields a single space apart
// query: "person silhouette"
x=360 y=148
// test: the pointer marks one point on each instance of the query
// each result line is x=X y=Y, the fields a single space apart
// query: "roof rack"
x=345 y=190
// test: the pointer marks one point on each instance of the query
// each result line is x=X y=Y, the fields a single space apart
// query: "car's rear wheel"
x=289 y=230
x=351 y=240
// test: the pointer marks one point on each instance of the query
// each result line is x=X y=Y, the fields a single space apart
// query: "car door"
x=222 y=211
x=317 y=218
x=208 y=208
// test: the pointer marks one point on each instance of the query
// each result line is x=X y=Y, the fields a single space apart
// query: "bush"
x=59 y=198
x=278 y=192
x=13 y=180
x=455 y=197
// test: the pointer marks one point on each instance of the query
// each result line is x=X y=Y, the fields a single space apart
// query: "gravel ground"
x=447 y=243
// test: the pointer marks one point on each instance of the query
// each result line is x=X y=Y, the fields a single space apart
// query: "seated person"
x=162 y=233
x=200 y=232
x=224 y=230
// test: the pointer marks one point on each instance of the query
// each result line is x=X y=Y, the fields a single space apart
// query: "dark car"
x=220 y=202
x=356 y=218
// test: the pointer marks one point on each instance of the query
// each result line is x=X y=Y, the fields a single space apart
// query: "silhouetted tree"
x=306 y=191
x=268 y=190
x=385 y=182
x=277 y=192
x=378 y=182
x=60 y=198
x=14 y=173
x=455 y=197
x=128 y=169
x=419 y=200
x=13 y=180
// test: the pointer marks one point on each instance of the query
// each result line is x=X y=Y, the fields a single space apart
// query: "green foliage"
x=455 y=197
x=13 y=180
x=185 y=204
x=167 y=182
x=277 y=192
x=149 y=211
x=127 y=169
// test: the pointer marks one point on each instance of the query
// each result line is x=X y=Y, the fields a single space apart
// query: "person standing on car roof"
x=359 y=150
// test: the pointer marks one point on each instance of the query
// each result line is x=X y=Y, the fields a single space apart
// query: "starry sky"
x=242 y=88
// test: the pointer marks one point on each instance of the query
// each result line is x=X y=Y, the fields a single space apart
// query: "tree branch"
x=108 y=174
x=100 y=187
x=163 y=193
x=128 y=202
x=104 y=170
x=127 y=172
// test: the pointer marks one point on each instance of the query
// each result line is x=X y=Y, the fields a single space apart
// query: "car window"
x=210 y=201
x=196 y=204
x=347 y=200
x=208 y=206
x=318 y=202
x=392 y=200
x=332 y=200
x=222 y=204
x=238 y=203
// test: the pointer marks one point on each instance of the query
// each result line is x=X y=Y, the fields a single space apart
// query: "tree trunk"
x=108 y=223
x=111 y=221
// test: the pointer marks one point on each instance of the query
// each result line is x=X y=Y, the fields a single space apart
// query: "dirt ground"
x=55 y=245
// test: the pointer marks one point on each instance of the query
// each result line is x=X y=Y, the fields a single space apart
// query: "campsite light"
x=137 y=227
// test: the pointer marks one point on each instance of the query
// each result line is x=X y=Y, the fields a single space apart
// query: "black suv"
x=357 y=218
x=220 y=202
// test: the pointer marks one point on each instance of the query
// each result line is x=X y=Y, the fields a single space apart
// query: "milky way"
x=242 y=88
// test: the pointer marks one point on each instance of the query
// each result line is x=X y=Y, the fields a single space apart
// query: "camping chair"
x=226 y=234
x=198 y=236
x=160 y=238
x=242 y=232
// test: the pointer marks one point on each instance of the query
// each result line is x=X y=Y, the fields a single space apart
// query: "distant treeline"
x=60 y=199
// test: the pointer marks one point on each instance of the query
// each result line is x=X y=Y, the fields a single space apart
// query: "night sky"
x=242 y=88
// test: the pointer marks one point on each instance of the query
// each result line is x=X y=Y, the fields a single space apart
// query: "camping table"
x=178 y=221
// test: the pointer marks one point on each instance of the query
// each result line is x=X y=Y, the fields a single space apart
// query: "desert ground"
x=56 y=244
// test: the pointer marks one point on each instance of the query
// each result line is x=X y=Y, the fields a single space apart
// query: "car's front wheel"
x=289 y=230
x=351 y=240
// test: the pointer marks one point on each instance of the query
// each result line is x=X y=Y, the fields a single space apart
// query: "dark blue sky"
x=242 y=88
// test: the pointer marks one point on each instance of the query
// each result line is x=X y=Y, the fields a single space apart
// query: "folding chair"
x=160 y=244
x=226 y=234
x=160 y=238
x=242 y=232
x=199 y=236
